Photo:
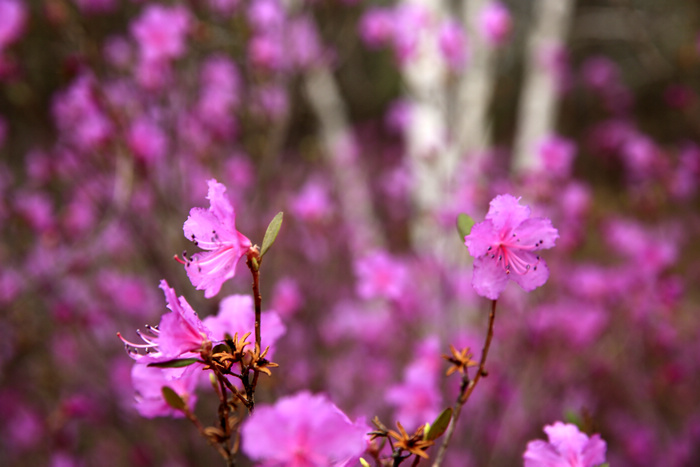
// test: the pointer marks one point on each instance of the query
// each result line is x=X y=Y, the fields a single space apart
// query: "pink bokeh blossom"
x=13 y=17
x=495 y=23
x=160 y=32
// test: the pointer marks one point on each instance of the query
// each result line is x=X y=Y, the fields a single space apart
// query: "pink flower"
x=567 y=447
x=453 y=44
x=557 y=155
x=147 y=140
x=160 y=32
x=214 y=229
x=381 y=275
x=303 y=430
x=237 y=315
x=377 y=27
x=13 y=16
x=495 y=23
x=148 y=385
x=179 y=333
x=503 y=247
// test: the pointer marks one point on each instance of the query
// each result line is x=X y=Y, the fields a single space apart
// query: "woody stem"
x=467 y=388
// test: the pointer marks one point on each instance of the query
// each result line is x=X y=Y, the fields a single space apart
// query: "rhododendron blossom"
x=503 y=247
x=237 y=316
x=214 y=229
x=567 y=447
x=180 y=332
x=148 y=385
x=303 y=430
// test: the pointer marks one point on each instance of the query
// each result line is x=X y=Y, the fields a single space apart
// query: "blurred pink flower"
x=160 y=32
x=600 y=72
x=495 y=23
x=13 y=16
x=567 y=447
x=304 y=44
x=377 y=27
x=287 y=297
x=147 y=140
x=312 y=203
x=417 y=398
x=557 y=155
x=148 y=383
x=303 y=430
x=381 y=275
x=266 y=15
x=214 y=229
x=503 y=247
x=453 y=44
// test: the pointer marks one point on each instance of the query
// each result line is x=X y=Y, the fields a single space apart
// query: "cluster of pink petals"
x=214 y=229
x=303 y=430
x=504 y=247
x=180 y=333
x=149 y=381
x=567 y=447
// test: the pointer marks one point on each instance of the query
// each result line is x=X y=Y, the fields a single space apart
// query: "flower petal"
x=539 y=231
x=489 y=279
x=506 y=212
x=535 y=277
x=542 y=454
x=482 y=236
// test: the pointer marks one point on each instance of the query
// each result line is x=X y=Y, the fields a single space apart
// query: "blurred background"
x=372 y=125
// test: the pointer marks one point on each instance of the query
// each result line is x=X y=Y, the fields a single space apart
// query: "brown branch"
x=467 y=388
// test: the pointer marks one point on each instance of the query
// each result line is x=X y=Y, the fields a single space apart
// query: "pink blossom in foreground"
x=567 y=447
x=180 y=332
x=303 y=430
x=503 y=247
x=214 y=229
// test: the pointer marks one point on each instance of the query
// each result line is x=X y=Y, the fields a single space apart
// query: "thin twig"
x=193 y=418
x=467 y=388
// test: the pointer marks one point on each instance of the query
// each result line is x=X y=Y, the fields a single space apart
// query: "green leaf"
x=271 y=233
x=573 y=417
x=364 y=462
x=464 y=225
x=438 y=427
x=177 y=363
x=172 y=398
